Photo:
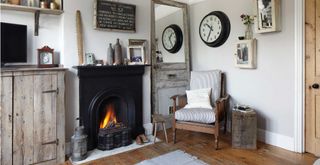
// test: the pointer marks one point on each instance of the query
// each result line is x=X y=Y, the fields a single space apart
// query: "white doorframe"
x=299 y=107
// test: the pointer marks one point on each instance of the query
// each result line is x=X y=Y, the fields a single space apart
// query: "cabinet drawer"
x=172 y=75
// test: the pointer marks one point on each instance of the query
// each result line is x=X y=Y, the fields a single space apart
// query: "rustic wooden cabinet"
x=32 y=116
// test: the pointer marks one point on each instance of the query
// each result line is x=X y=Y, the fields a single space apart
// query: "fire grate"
x=114 y=137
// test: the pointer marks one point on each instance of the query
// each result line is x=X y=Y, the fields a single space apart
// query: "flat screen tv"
x=13 y=43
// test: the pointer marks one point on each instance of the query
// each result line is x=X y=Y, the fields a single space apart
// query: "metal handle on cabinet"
x=170 y=76
x=52 y=91
x=52 y=142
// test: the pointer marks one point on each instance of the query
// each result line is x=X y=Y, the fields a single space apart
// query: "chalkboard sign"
x=114 y=16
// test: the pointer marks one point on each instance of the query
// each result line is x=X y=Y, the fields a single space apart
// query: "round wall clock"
x=172 y=38
x=214 y=29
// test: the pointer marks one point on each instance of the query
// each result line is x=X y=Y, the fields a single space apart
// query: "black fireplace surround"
x=100 y=84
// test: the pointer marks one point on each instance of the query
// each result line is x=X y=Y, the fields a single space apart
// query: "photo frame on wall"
x=246 y=56
x=267 y=16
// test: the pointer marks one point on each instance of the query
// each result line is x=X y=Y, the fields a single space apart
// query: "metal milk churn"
x=79 y=144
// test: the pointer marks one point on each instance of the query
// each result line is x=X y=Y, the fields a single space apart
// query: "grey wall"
x=270 y=88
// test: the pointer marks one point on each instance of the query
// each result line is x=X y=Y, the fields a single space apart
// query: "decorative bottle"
x=110 y=54
x=117 y=53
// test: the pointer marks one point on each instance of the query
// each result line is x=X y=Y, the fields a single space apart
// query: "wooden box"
x=244 y=129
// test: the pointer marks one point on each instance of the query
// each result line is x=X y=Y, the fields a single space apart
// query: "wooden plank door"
x=6 y=120
x=45 y=131
x=23 y=120
x=312 y=111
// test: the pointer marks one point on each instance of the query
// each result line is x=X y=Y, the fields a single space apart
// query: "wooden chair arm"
x=221 y=105
x=179 y=101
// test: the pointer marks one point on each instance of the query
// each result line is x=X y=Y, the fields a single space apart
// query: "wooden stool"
x=159 y=119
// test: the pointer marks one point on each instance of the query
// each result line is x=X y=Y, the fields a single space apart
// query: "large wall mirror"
x=170 y=53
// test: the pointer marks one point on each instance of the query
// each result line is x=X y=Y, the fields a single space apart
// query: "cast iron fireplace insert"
x=99 y=85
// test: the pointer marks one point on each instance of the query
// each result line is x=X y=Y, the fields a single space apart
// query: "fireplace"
x=110 y=99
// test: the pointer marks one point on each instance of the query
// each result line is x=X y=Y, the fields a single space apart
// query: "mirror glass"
x=165 y=16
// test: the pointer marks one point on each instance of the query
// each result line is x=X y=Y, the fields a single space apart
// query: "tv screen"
x=13 y=43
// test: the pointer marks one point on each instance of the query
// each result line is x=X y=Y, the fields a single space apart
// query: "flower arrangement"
x=247 y=19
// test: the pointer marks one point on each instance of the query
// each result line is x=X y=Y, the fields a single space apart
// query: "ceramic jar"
x=110 y=54
x=117 y=53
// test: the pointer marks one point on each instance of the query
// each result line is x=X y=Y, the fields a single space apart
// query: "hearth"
x=110 y=100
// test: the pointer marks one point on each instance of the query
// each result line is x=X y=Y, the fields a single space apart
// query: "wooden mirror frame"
x=186 y=43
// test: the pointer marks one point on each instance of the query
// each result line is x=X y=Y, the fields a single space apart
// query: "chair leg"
x=225 y=123
x=174 y=131
x=165 y=131
x=216 y=141
x=155 y=131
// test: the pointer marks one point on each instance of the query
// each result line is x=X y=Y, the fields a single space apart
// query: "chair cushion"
x=207 y=79
x=199 y=98
x=200 y=115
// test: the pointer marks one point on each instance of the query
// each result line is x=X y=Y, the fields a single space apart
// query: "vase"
x=110 y=54
x=117 y=53
x=248 y=33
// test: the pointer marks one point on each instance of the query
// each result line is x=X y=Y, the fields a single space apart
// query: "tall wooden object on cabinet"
x=32 y=116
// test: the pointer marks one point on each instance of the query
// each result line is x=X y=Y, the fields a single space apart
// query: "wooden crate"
x=244 y=129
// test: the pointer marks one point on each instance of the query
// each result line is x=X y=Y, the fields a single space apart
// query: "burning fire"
x=110 y=118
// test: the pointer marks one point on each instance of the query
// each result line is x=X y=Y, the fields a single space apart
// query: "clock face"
x=46 y=58
x=214 y=29
x=210 y=28
x=169 y=38
x=172 y=38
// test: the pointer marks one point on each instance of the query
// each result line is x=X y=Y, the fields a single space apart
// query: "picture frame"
x=246 y=54
x=136 y=55
x=267 y=16
x=114 y=16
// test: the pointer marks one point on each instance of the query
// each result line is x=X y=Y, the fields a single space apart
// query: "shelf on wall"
x=36 y=10
x=30 y=9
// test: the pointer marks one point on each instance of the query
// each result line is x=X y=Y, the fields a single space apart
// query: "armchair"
x=199 y=119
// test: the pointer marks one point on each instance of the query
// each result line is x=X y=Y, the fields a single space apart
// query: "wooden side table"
x=159 y=119
x=244 y=129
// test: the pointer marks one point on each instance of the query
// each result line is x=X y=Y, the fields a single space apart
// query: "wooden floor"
x=201 y=146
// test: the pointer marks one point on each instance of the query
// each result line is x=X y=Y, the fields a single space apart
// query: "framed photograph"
x=135 y=54
x=246 y=54
x=267 y=16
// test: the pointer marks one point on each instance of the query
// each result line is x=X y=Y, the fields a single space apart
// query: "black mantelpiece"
x=98 y=83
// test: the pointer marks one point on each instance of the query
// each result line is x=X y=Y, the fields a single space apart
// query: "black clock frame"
x=179 y=35
x=226 y=27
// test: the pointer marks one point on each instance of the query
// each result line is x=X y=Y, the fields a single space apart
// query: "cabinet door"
x=45 y=131
x=6 y=120
x=23 y=120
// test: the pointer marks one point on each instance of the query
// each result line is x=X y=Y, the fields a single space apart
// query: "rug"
x=317 y=162
x=177 y=157
x=98 y=154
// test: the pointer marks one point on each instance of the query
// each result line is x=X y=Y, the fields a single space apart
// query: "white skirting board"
x=276 y=139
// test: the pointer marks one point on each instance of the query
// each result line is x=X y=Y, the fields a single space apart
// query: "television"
x=13 y=43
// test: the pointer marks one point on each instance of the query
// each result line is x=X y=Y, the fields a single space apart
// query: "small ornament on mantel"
x=248 y=21
x=118 y=53
x=110 y=55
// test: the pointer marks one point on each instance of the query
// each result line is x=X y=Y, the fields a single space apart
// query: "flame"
x=110 y=116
